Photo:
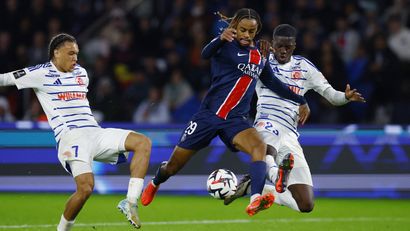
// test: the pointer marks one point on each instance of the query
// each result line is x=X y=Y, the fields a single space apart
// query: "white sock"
x=65 y=225
x=270 y=161
x=271 y=168
x=254 y=196
x=135 y=186
x=284 y=198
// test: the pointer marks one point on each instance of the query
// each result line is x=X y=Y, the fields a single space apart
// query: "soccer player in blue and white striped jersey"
x=277 y=120
x=61 y=88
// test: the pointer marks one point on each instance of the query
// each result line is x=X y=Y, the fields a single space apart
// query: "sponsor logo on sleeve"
x=19 y=73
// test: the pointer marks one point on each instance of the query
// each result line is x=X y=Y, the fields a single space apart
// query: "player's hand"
x=264 y=47
x=353 y=95
x=229 y=34
x=304 y=112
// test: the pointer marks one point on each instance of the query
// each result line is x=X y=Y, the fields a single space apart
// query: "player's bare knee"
x=306 y=207
x=144 y=143
x=139 y=143
x=85 y=190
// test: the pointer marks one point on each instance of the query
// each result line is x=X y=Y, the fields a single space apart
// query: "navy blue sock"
x=160 y=176
x=258 y=174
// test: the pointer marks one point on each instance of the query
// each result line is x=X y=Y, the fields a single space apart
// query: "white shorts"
x=78 y=148
x=285 y=141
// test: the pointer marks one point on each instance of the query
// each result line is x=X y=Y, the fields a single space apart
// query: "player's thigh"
x=78 y=168
x=270 y=132
x=75 y=147
x=300 y=173
x=250 y=142
x=290 y=144
x=109 y=145
x=199 y=131
x=135 y=139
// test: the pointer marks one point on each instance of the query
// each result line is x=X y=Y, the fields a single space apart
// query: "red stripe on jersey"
x=255 y=57
x=235 y=96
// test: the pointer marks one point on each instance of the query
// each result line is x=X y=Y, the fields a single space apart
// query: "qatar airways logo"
x=250 y=69
x=71 y=95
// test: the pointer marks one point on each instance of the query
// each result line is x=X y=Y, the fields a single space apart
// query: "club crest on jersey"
x=296 y=75
x=79 y=80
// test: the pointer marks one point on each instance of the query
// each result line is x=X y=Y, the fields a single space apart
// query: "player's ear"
x=56 y=53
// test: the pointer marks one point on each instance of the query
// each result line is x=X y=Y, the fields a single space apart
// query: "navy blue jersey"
x=235 y=70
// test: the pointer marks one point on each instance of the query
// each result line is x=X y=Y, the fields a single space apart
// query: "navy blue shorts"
x=205 y=125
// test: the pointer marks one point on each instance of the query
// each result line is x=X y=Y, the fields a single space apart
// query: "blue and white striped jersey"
x=300 y=75
x=63 y=96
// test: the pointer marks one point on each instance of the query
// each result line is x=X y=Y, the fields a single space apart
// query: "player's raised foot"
x=131 y=212
x=283 y=173
x=260 y=203
x=149 y=193
x=241 y=189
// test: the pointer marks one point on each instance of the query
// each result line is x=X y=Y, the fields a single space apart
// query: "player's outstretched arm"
x=7 y=79
x=353 y=95
x=339 y=98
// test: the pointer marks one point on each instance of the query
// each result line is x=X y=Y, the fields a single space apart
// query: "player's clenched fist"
x=228 y=34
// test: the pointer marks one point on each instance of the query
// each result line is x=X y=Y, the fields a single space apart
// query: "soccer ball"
x=221 y=183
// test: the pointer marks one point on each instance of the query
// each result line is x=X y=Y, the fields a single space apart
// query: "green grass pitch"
x=42 y=212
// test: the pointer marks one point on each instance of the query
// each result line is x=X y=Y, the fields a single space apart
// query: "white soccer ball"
x=221 y=183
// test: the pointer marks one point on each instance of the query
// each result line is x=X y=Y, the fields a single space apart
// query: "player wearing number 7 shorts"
x=61 y=87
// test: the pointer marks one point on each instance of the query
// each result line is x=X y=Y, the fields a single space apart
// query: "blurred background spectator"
x=5 y=114
x=144 y=64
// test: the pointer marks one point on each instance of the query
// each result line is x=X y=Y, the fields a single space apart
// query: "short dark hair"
x=247 y=13
x=285 y=30
x=58 y=41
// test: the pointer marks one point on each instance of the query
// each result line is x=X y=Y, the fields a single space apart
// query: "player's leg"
x=198 y=134
x=180 y=156
x=304 y=196
x=250 y=142
x=279 y=174
x=299 y=195
x=112 y=145
x=74 y=153
x=272 y=137
x=141 y=146
x=84 y=180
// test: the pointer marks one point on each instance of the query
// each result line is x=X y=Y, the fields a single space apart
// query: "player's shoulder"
x=42 y=67
x=272 y=60
x=302 y=61
x=79 y=70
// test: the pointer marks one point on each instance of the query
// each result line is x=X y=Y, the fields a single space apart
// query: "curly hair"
x=244 y=13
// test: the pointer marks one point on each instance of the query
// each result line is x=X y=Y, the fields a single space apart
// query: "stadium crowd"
x=143 y=57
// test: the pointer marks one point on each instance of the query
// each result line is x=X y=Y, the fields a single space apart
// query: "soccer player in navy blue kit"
x=236 y=64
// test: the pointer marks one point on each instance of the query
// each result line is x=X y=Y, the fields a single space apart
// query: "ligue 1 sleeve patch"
x=19 y=73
